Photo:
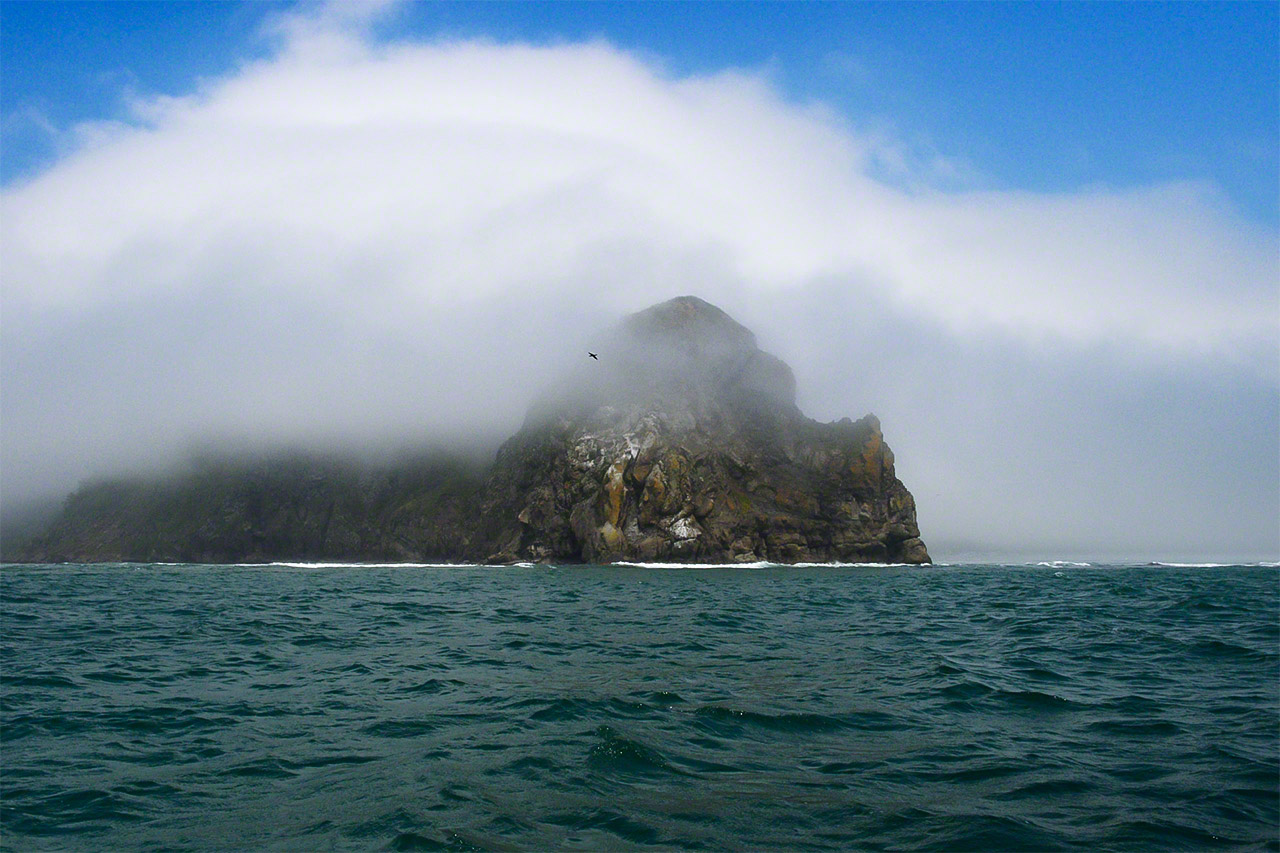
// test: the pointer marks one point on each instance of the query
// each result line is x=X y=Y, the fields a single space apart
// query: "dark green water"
x=941 y=708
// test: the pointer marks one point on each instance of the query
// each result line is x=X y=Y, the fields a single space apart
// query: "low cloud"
x=354 y=241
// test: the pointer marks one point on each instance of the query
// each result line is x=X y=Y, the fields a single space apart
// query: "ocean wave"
x=759 y=564
x=554 y=709
x=615 y=753
x=720 y=716
x=856 y=565
x=1259 y=565
x=338 y=565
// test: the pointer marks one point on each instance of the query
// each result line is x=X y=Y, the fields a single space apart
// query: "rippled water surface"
x=397 y=708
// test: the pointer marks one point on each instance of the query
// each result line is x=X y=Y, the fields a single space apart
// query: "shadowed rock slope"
x=251 y=510
x=682 y=443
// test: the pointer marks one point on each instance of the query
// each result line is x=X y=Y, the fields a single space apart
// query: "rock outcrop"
x=682 y=443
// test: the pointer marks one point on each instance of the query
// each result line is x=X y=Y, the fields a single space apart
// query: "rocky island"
x=682 y=442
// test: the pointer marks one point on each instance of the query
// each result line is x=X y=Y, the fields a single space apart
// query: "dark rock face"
x=297 y=507
x=682 y=443
x=686 y=445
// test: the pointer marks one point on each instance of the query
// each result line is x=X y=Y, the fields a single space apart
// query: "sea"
x=1054 y=706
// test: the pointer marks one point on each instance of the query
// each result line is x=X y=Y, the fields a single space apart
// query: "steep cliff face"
x=684 y=443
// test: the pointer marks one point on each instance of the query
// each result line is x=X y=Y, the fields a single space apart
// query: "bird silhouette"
x=593 y=355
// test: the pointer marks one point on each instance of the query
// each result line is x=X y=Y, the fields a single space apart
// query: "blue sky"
x=1043 y=96
x=1039 y=241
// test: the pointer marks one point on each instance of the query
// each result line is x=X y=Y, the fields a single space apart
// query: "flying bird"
x=593 y=355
